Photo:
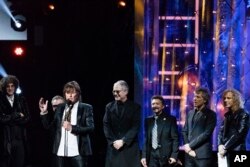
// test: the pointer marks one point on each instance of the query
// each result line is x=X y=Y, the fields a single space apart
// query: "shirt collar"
x=10 y=98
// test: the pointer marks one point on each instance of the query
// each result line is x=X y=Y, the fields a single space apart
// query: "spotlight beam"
x=6 y=9
x=17 y=20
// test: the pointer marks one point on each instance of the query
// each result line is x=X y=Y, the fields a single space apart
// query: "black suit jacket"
x=126 y=127
x=12 y=125
x=83 y=128
x=168 y=138
x=199 y=135
x=233 y=130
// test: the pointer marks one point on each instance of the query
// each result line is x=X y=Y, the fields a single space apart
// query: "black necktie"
x=195 y=117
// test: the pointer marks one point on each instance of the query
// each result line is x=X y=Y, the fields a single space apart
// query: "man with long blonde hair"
x=234 y=127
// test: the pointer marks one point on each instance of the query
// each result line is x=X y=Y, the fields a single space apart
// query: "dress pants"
x=17 y=156
x=76 y=161
x=194 y=162
x=156 y=159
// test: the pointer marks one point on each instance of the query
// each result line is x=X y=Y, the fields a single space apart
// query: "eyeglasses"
x=116 y=91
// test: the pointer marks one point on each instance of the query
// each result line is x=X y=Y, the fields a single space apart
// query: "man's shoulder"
x=149 y=117
x=134 y=103
x=128 y=102
x=171 y=117
x=85 y=105
x=208 y=110
x=2 y=96
x=111 y=103
x=167 y=116
x=244 y=112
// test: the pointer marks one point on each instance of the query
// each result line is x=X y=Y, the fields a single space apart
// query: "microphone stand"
x=67 y=118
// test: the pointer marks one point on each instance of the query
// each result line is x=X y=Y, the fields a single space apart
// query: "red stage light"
x=18 y=51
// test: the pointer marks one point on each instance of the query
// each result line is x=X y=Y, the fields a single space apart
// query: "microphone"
x=69 y=102
x=68 y=111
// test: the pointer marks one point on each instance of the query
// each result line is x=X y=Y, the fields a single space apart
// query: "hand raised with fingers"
x=43 y=106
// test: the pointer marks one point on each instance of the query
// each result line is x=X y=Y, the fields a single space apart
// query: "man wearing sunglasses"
x=121 y=125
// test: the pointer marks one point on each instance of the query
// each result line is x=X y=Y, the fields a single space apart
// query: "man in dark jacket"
x=163 y=151
x=234 y=127
x=198 y=131
x=121 y=125
x=14 y=117
x=73 y=123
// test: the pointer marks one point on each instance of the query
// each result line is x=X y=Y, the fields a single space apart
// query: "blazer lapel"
x=61 y=113
x=7 y=103
x=190 y=119
x=198 y=118
x=80 y=110
x=123 y=111
x=116 y=111
x=120 y=114
x=151 y=125
x=160 y=126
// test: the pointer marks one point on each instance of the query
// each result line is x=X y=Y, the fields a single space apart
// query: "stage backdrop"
x=183 y=44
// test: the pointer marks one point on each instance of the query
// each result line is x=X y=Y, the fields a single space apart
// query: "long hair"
x=236 y=97
x=72 y=85
x=7 y=80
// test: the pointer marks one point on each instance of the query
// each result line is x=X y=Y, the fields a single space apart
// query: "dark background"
x=90 y=41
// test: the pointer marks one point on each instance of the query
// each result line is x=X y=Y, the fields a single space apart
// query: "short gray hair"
x=123 y=84
x=57 y=97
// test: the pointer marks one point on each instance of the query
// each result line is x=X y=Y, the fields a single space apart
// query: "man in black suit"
x=14 y=120
x=198 y=131
x=121 y=125
x=55 y=101
x=164 y=151
x=73 y=123
x=235 y=126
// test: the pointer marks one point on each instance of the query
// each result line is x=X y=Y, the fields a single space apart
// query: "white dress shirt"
x=68 y=145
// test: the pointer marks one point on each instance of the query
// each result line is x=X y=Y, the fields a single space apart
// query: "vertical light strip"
x=163 y=61
x=196 y=32
x=183 y=102
x=184 y=96
x=172 y=80
x=203 y=10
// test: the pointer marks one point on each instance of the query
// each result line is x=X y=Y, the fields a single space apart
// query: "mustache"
x=155 y=108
